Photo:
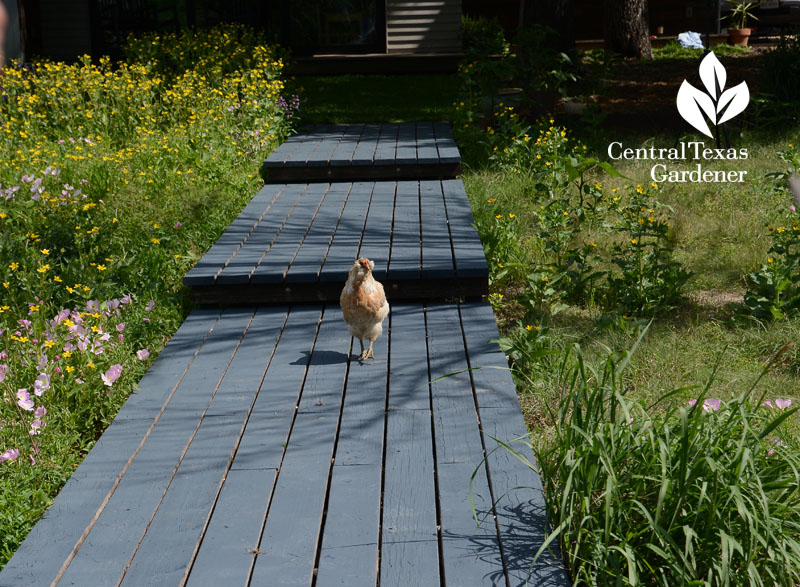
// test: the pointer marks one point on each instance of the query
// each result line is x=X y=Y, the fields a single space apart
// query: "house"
x=65 y=29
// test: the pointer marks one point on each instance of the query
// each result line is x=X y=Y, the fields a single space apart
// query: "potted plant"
x=738 y=32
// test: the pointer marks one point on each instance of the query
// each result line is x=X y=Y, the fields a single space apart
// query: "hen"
x=364 y=305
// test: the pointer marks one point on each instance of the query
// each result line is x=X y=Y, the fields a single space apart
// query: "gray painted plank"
x=208 y=267
x=344 y=567
x=520 y=508
x=458 y=438
x=408 y=380
x=276 y=261
x=410 y=564
x=307 y=263
x=375 y=244
x=469 y=256
x=494 y=388
x=404 y=261
x=324 y=151
x=242 y=265
x=353 y=508
x=343 y=154
x=470 y=551
x=361 y=435
x=226 y=553
x=107 y=549
x=300 y=157
x=409 y=500
x=325 y=378
x=344 y=247
x=386 y=151
x=284 y=151
x=267 y=430
x=289 y=543
x=448 y=152
x=427 y=154
x=407 y=144
x=437 y=251
x=365 y=151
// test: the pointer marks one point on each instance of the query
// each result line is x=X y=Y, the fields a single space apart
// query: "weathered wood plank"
x=407 y=144
x=386 y=151
x=304 y=154
x=404 y=261
x=344 y=246
x=458 y=438
x=376 y=241
x=217 y=257
x=262 y=444
x=494 y=387
x=276 y=261
x=325 y=377
x=226 y=553
x=350 y=540
x=114 y=537
x=238 y=269
x=365 y=151
x=427 y=153
x=410 y=564
x=469 y=256
x=361 y=435
x=437 y=249
x=520 y=508
x=470 y=551
x=448 y=151
x=306 y=265
x=289 y=542
x=408 y=380
x=343 y=154
x=409 y=500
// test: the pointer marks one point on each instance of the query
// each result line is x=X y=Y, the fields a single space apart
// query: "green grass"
x=377 y=98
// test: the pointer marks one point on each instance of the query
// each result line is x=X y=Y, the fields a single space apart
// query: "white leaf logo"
x=717 y=105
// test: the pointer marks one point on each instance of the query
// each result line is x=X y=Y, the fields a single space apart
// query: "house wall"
x=432 y=26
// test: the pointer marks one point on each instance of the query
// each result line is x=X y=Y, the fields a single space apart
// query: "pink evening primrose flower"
x=142 y=354
x=41 y=384
x=24 y=400
x=767 y=404
x=709 y=405
x=792 y=208
x=782 y=404
x=150 y=305
x=113 y=373
x=10 y=455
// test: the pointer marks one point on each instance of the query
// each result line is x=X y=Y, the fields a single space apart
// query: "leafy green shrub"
x=775 y=287
x=699 y=493
x=482 y=37
x=780 y=71
x=649 y=279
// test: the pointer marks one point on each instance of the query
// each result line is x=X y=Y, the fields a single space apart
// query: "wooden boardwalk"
x=259 y=451
x=296 y=243
x=357 y=152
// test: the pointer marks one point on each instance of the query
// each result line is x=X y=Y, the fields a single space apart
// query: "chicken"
x=364 y=305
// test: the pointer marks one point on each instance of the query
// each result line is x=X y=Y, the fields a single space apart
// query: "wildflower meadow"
x=115 y=178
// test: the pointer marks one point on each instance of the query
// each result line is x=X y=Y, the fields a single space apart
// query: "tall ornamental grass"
x=680 y=493
x=114 y=179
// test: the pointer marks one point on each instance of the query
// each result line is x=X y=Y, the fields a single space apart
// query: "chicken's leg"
x=369 y=354
x=363 y=354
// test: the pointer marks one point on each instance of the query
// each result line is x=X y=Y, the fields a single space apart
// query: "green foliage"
x=115 y=179
x=482 y=37
x=775 y=287
x=742 y=14
x=674 y=50
x=704 y=492
x=649 y=279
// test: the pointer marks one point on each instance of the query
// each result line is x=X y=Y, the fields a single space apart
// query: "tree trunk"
x=627 y=29
x=555 y=14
